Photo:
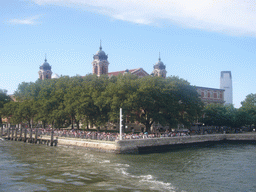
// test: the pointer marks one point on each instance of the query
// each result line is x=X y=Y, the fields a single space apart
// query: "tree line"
x=227 y=115
x=96 y=100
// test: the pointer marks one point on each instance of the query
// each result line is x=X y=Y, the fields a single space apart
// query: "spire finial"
x=100 y=45
x=45 y=58
x=159 y=57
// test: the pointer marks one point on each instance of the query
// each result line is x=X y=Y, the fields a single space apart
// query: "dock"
x=22 y=135
x=137 y=146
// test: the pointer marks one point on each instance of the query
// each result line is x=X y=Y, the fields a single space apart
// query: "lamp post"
x=121 y=119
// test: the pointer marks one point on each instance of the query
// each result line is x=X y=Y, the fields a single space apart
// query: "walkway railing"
x=92 y=135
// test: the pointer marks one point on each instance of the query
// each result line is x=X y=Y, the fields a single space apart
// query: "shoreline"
x=154 y=145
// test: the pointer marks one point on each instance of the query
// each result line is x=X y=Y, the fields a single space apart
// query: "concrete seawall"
x=154 y=144
x=97 y=145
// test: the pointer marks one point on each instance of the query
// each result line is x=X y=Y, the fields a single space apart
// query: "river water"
x=219 y=167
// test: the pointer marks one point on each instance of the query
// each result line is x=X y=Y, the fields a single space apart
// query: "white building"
x=226 y=84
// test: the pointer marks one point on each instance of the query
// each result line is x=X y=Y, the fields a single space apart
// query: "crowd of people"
x=107 y=136
x=96 y=135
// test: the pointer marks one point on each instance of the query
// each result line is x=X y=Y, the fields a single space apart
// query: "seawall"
x=97 y=145
x=167 y=143
x=154 y=144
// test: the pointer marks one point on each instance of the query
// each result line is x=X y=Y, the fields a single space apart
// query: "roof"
x=209 y=88
x=138 y=71
x=120 y=72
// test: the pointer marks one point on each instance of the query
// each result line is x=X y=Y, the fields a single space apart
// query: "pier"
x=137 y=146
x=27 y=136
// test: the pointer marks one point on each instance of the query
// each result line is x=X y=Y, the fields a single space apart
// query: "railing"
x=92 y=135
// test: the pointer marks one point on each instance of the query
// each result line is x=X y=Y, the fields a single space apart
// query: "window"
x=215 y=95
x=202 y=94
x=95 y=70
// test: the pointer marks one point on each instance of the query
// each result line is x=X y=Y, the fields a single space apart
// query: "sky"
x=197 y=39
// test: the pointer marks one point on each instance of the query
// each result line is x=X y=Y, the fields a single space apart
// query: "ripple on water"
x=77 y=183
x=55 y=180
x=145 y=180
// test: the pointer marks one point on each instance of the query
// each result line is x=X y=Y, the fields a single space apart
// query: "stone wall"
x=133 y=145
x=102 y=146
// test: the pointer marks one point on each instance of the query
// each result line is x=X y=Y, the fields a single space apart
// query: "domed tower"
x=45 y=71
x=159 y=69
x=100 y=62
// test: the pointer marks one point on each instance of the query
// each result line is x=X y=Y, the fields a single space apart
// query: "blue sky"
x=197 y=39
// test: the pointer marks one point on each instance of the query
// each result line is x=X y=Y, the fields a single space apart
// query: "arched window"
x=95 y=70
x=103 y=70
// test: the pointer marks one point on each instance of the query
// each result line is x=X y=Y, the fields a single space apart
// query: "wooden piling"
x=56 y=141
x=21 y=134
x=8 y=133
x=16 y=134
x=52 y=137
x=25 y=135
x=12 y=133
x=31 y=133
x=36 y=133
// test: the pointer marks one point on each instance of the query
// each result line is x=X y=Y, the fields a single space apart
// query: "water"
x=221 y=167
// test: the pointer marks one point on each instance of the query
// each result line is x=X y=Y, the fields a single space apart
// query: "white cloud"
x=236 y=17
x=25 y=21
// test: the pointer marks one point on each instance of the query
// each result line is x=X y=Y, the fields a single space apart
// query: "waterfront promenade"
x=134 y=143
x=158 y=144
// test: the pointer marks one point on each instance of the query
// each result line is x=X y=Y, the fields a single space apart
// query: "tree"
x=95 y=87
x=146 y=101
x=119 y=94
x=26 y=111
x=71 y=99
x=4 y=98
x=221 y=115
x=214 y=114
x=182 y=104
x=249 y=107
x=24 y=91
x=10 y=111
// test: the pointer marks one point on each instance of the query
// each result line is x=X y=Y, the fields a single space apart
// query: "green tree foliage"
x=182 y=104
x=10 y=111
x=4 y=98
x=249 y=109
x=151 y=100
x=97 y=100
x=222 y=115
x=25 y=111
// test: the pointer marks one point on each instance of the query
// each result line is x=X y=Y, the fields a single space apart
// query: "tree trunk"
x=77 y=123
x=147 y=124
x=72 y=122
